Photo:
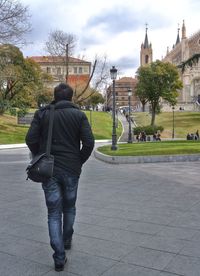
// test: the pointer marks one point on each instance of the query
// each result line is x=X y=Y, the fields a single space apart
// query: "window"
x=85 y=69
x=75 y=70
x=58 y=71
x=48 y=70
x=146 y=59
x=80 y=70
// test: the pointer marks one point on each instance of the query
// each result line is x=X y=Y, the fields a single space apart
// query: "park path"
x=124 y=136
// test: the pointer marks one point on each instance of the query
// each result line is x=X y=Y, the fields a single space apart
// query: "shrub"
x=149 y=130
x=13 y=111
x=22 y=111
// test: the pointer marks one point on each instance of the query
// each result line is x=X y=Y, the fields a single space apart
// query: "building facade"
x=73 y=70
x=121 y=93
x=184 y=49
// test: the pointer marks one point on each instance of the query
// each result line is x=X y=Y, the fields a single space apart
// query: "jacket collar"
x=63 y=104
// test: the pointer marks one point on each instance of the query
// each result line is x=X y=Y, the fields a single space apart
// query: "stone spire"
x=183 y=30
x=178 y=37
x=146 y=42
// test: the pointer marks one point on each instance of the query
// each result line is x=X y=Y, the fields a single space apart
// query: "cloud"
x=126 y=65
x=114 y=21
x=123 y=19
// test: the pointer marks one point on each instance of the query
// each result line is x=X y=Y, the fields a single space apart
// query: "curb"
x=13 y=146
x=17 y=146
x=145 y=159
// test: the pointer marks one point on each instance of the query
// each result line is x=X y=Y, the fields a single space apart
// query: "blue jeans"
x=60 y=194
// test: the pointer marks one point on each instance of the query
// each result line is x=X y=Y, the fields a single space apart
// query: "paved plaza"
x=132 y=220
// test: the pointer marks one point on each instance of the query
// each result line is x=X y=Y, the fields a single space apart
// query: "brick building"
x=121 y=93
x=77 y=70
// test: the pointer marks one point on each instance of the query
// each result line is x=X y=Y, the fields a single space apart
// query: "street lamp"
x=67 y=62
x=129 y=116
x=113 y=76
x=117 y=110
x=172 y=122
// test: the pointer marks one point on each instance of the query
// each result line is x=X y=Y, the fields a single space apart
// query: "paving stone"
x=178 y=232
x=167 y=244
x=86 y=264
x=101 y=247
x=184 y=265
x=121 y=269
x=116 y=235
x=149 y=258
x=191 y=248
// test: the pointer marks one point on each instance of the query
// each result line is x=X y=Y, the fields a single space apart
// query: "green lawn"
x=184 y=122
x=11 y=132
x=153 y=148
x=101 y=123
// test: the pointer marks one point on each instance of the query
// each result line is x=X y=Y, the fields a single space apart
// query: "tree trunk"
x=153 y=116
x=143 y=107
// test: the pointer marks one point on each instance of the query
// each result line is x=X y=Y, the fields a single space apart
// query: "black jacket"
x=72 y=139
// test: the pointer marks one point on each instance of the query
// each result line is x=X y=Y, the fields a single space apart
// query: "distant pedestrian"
x=154 y=136
x=188 y=136
x=197 y=134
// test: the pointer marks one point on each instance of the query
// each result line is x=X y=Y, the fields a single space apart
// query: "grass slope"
x=101 y=123
x=12 y=133
x=184 y=122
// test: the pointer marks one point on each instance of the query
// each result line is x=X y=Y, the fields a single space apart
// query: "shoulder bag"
x=40 y=169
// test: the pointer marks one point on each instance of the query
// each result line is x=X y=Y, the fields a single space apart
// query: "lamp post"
x=117 y=110
x=130 y=140
x=67 y=62
x=113 y=76
x=172 y=122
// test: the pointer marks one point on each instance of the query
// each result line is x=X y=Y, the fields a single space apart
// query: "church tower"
x=146 y=53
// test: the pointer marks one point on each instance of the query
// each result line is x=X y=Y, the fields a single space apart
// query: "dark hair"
x=63 y=92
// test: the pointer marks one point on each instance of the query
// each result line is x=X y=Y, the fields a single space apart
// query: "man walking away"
x=72 y=144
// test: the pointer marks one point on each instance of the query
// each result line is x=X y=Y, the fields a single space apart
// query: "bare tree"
x=14 y=22
x=61 y=44
x=58 y=41
x=98 y=78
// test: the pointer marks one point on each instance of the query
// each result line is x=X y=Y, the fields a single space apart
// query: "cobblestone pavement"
x=132 y=220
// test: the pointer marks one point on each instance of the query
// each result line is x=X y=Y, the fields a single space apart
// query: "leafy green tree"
x=20 y=79
x=96 y=99
x=156 y=81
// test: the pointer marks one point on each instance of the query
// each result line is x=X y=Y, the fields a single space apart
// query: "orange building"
x=73 y=70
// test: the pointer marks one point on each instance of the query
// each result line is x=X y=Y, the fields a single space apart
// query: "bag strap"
x=49 y=138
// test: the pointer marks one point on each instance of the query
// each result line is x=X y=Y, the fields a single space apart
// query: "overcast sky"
x=115 y=28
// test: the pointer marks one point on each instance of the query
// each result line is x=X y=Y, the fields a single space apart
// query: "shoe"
x=68 y=244
x=60 y=267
